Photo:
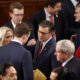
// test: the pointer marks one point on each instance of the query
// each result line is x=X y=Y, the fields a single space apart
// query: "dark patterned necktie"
x=39 y=48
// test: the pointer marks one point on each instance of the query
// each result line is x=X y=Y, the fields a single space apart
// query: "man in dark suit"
x=65 y=54
x=49 y=12
x=44 y=58
x=69 y=27
x=16 y=54
x=16 y=14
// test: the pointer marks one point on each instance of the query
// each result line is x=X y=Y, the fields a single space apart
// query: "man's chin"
x=77 y=20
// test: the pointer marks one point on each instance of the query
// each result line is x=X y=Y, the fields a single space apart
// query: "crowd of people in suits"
x=49 y=41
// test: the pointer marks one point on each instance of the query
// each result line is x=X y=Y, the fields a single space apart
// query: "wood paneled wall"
x=31 y=6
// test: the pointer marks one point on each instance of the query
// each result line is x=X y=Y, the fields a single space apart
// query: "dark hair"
x=52 y=3
x=47 y=24
x=17 y=5
x=4 y=67
x=21 y=29
x=64 y=74
x=78 y=4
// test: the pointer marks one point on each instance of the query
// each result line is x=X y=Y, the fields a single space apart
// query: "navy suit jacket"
x=20 y=58
x=68 y=26
x=74 y=66
x=46 y=61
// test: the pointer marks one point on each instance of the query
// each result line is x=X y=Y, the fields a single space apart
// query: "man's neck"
x=18 y=40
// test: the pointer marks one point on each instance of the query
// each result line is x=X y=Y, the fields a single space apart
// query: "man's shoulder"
x=8 y=23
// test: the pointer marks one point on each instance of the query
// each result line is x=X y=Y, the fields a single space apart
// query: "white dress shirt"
x=16 y=40
x=47 y=15
x=74 y=2
x=63 y=64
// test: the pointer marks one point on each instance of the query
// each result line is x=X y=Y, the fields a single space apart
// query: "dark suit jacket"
x=30 y=48
x=9 y=24
x=74 y=66
x=69 y=26
x=20 y=58
x=37 y=18
x=46 y=61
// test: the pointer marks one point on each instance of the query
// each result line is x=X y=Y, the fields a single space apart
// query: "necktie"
x=39 y=48
x=52 y=19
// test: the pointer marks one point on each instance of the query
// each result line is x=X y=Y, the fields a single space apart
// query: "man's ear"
x=53 y=33
x=10 y=14
x=24 y=36
x=49 y=6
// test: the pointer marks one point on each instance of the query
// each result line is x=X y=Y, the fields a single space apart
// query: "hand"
x=31 y=42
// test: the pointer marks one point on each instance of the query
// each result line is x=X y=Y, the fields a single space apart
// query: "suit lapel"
x=46 y=48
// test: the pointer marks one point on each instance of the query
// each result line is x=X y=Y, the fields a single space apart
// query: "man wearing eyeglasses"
x=44 y=59
x=16 y=13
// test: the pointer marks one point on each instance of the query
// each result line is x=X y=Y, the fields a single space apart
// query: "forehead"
x=77 y=9
x=18 y=11
x=11 y=70
x=58 y=4
x=44 y=29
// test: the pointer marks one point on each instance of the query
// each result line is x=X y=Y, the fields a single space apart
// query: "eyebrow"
x=43 y=32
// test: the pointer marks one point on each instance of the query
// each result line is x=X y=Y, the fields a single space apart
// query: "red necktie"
x=52 y=19
x=39 y=48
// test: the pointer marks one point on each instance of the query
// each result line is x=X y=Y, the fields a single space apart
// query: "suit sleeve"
x=27 y=66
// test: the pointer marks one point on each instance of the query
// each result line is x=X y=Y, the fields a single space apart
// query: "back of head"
x=21 y=29
x=51 y=3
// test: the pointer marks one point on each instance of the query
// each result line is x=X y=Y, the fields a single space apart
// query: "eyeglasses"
x=43 y=32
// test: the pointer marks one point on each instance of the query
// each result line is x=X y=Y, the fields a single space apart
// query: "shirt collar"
x=16 y=40
x=63 y=64
x=44 y=43
x=47 y=14
x=14 y=25
x=74 y=2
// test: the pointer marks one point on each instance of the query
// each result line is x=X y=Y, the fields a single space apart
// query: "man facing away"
x=17 y=54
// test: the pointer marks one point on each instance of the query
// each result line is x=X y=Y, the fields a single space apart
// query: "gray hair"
x=66 y=46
